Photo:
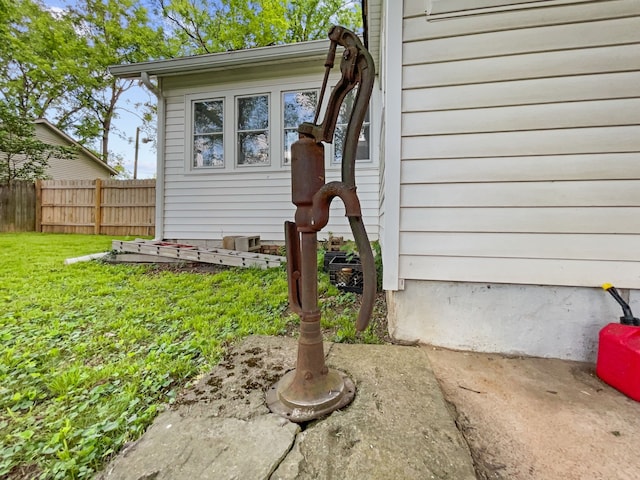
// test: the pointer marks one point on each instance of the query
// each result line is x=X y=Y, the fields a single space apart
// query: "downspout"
x=156 y=90
x=365 y=23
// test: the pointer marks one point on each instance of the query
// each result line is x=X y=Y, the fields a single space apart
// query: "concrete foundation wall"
x=543 y=321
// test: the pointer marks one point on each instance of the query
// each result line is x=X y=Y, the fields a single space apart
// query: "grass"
x=91 y=351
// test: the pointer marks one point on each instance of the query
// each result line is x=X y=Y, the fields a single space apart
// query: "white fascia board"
x=218 y=61
x=392 y=146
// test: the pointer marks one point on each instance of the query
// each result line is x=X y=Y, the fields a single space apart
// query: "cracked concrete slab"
x=197 y=447
x=398 y=426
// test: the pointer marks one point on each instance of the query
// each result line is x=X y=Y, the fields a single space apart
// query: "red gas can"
x=619 y=358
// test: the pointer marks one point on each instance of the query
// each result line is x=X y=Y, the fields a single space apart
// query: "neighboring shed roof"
x=71 y=142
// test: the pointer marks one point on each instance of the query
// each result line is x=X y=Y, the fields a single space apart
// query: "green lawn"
x=90 y=352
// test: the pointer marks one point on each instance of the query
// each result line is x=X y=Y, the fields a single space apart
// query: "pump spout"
x=322 y=201
x=320 y=214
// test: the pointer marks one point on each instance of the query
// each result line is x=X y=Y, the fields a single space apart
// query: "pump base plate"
x=304 y=411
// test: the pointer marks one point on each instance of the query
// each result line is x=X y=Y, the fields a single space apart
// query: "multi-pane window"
x=362 y=152
x=208 y=139
x=297 y=107
x=253 y=130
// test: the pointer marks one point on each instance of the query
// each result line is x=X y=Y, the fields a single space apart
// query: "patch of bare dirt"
x=23 y=472
x=189 y=267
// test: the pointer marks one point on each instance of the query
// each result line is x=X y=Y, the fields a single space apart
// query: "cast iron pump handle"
x=310 y=194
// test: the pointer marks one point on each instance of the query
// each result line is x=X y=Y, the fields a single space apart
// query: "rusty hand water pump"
x=312 y=390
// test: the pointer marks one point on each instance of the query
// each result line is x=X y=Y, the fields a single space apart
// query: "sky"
x=126 y=123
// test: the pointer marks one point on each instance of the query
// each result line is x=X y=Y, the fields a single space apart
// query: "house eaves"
x=72 y=142
x=211 y=62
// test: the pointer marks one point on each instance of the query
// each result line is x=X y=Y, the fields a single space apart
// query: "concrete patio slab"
x=530 y=418
x=398 y=426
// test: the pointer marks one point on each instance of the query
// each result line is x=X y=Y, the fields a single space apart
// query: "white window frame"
x=268 y=131
x=282 y=125
x=275 y=89
x=192 y=134
x=366 y=123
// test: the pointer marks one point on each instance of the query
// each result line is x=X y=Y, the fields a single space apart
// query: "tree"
x=22 y=155
x=117 y=163
x=117 y=31
x=43 y=59
x=202 y=26
x=55 y=61
x=311 y=19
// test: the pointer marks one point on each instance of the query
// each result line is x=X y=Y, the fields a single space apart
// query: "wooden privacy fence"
x=107 y=207
x=18 y=207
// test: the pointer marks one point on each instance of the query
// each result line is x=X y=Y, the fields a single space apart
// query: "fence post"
x=98 y=212
x=38 y=220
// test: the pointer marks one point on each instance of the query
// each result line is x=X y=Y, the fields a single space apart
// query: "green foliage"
x=377 y=255
x=57 y=61
x=116 y=32
x=350 y=249
x=90 y=351
x=22 y=155
x=205 y=27
x=200 y=26
x=43 y=59
x=117 y=163
x=311 y=19
x=339 y=311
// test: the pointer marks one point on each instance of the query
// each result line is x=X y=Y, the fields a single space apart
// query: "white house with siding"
x=226 y=122
x=503 y=180
x=511 y=170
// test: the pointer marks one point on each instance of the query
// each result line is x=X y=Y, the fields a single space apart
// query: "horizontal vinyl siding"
x=523 y=92
x=415 y=19
x=622 y=58
x=594 y=220
x=548 y=116
x=521 y=270
x=528 y=41
x=209 y=205
x=79 y=167
x=521 y=146
x=251 y=205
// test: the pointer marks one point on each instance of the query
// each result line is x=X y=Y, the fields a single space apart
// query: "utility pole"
x=135 y=158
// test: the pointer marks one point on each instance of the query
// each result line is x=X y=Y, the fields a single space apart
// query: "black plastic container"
x=345 y=271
